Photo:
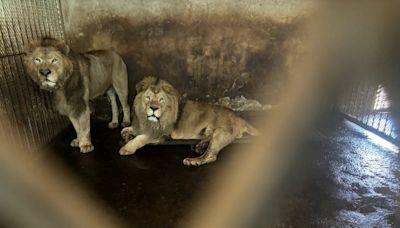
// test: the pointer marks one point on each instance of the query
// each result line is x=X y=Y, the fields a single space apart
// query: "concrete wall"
x=207 y=49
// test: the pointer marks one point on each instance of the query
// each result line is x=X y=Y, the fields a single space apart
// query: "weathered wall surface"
x=207 y=49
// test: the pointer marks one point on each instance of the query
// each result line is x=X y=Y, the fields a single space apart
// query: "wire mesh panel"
x=367 y=104
x=29 y=109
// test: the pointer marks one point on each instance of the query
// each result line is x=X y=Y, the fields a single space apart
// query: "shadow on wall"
x=207 y=58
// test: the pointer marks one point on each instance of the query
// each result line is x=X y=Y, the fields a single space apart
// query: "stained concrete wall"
x=207 y=49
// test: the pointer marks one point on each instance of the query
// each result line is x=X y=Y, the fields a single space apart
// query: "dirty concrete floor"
x=339 y=178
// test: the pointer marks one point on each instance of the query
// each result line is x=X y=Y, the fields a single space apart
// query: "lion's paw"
x=86 y=148
x=113 y=125
x=124 y=151
x=198 y=161
x=74 y=143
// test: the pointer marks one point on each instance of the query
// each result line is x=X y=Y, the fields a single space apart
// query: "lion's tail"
x=250 y=129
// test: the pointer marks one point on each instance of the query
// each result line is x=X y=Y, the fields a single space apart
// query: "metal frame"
x=374 y=130
x=359 y=105
x=29 y=109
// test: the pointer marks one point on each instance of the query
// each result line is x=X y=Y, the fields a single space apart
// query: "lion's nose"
x=44 y=72
x=154 y=108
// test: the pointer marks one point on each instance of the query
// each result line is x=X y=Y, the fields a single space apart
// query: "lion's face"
x=156 y=102
x=48 y=66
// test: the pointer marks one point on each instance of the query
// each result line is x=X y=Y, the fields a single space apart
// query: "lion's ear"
x=63 y=47
x=142 y=86
x=169 y=89
x=145 y=83
x=31 y=46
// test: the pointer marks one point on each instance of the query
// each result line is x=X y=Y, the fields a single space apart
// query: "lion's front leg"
x=75 y=124
x=136 y=143
x=82 y=127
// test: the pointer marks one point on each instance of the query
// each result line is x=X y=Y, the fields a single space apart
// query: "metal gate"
x=29 y=110
x=367 y=105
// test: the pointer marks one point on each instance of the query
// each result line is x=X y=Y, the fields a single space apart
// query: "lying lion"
x=161 y=112
x=75 y=79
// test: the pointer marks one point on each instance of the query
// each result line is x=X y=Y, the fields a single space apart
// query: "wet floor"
x=339 y=178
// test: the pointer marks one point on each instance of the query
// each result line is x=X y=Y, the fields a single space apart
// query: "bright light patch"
x=374 y=138
x=381 y=99
x=380 y=141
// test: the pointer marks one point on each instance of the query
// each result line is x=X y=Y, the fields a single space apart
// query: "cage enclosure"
x=238 y=54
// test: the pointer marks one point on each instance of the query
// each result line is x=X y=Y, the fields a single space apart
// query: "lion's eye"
x=54 y=60
x=148 y=98
x=38 y=60
x=161 y=99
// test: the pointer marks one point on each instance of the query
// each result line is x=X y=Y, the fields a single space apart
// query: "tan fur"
x=215 y=126
x=75 y=79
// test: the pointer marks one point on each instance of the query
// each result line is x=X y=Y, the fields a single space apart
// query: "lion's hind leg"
x=123 y=98
x=114 y=108
x=127 y=133
x=120 y=84
x=74 y=143
x=202 y=146
x=219 y=139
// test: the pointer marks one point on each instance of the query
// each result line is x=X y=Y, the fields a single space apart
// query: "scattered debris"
x=241 y=103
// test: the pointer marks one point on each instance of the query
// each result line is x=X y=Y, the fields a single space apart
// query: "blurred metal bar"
x=251 y=176
x=40 y=193
x=245 y=185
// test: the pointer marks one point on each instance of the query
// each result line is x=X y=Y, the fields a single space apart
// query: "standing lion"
x=74 y=79
x=161 y=112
